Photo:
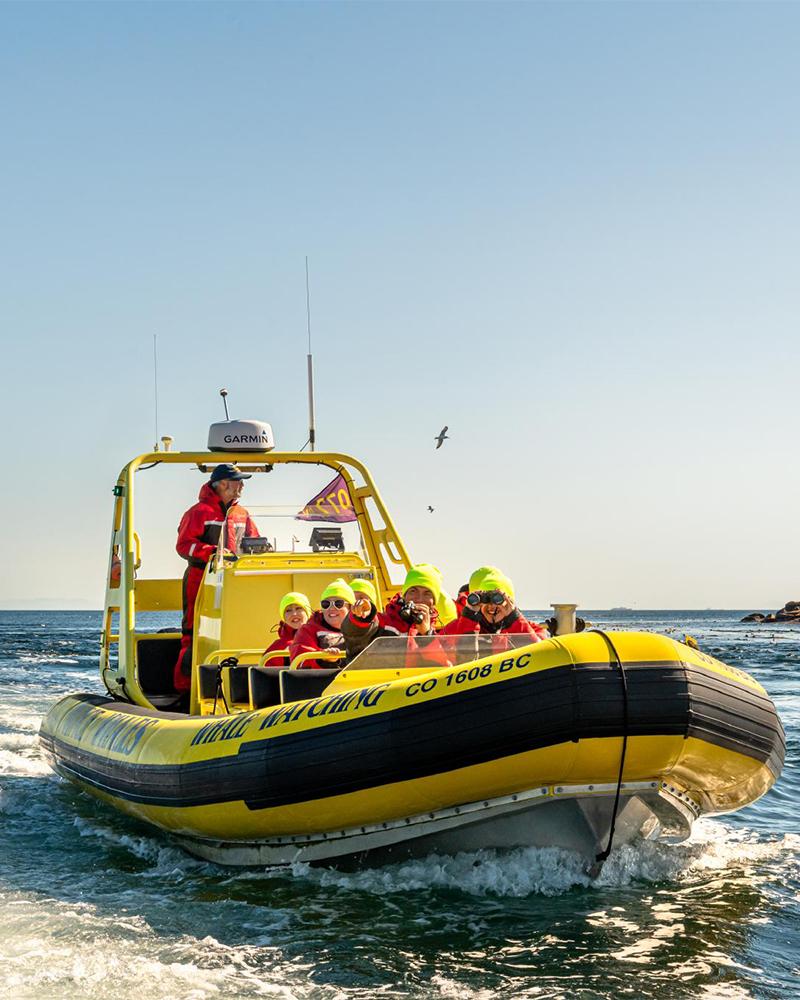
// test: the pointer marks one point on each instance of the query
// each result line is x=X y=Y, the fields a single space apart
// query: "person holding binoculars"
x=491 y=608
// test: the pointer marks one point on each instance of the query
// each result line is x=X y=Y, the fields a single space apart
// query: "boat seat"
x=155 y=662
x=207 y=678
x=238 y=684
x=265 y=686
x=296 y=685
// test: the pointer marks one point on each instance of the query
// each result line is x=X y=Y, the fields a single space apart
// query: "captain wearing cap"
x=198 y=537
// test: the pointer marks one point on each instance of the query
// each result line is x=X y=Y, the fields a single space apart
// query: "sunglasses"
x=338 y=603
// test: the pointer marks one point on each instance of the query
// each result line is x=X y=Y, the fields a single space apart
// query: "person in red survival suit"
x=461 y=600
x=198 y=537
x=295 y=611
x=491 y=609
x=413 y=613
x=323 y=630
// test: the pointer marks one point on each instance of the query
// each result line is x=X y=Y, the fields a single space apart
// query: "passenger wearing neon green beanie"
x=445 y=605
x=491 y=608
x=295 y=610
x=414 y=612
x=364 y=589
x=323 y=630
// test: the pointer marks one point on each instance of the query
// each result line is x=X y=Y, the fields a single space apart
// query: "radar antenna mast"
x=155 y=388
x=310 y=361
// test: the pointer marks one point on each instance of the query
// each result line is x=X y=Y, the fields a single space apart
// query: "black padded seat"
x=208 y=680
x=155 y=664
x=297 y=685
x=265 y=686
x=239 y=684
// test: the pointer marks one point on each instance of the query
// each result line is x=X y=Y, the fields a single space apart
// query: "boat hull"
x=515 y=750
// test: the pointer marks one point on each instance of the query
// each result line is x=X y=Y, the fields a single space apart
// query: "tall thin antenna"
x=155 y=387
x=310 y=360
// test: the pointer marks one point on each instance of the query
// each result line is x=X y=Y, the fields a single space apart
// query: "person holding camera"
x=323 y=630
x=491 y=608
x=412 y=612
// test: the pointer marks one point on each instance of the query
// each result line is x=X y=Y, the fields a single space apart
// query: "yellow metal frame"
x=383 y=545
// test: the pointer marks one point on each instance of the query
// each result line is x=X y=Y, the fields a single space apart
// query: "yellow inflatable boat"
x=580 y=741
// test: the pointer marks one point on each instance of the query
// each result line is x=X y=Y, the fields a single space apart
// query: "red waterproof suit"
x=515 y=623
x=286 y=636
x=198 y=536
x=315 y=635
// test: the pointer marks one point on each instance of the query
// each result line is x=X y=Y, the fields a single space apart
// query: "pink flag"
x=332 y=503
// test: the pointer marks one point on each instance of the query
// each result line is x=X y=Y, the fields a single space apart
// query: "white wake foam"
x=552 y=871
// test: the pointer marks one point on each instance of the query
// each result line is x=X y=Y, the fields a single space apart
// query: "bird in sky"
x=441 y=437
x=430 y=509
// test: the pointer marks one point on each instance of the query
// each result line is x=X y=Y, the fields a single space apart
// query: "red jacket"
x=198 y=532
x=515 y=624
x=286 y=636
x=316 y=635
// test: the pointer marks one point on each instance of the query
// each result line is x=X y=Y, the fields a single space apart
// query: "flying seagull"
x=441 y=437
x=430 y=509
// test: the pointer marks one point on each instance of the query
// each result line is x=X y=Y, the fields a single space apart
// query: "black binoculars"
x=485 y=597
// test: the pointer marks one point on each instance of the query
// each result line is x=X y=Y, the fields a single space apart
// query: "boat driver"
x=198 y=538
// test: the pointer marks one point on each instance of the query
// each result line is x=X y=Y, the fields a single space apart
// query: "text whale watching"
x=325 y=697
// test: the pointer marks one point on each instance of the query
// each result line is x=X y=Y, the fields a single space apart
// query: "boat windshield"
x=280 y=530
x=392 y=652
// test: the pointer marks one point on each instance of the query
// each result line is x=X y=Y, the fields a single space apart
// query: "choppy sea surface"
x=93 y=904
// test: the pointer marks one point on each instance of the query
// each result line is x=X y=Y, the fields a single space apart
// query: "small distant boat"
x=582 y=741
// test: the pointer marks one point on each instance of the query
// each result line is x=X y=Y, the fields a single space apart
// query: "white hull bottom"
x=576 y=818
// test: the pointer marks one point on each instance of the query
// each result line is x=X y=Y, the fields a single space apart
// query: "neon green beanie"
x=338 y=588
x=424 y=575
x=446 y=606
x=491 y=578
x=361 y=586
x=430 y=576
x=295 y=597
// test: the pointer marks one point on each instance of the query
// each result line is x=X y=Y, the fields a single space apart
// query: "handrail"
x=272 y=654
x=317 y=654
x=221 y=654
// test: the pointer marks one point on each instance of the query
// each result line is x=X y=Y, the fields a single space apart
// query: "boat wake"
x=550 y=871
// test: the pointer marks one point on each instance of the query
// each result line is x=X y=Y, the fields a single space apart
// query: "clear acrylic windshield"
x=279 y=530
x=393 y=652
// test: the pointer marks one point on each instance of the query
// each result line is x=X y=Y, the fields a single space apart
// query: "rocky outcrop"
x=790 y=612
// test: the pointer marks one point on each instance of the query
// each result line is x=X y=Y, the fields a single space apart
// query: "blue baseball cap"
x=227 y=471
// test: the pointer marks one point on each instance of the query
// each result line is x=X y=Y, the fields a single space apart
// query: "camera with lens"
x=410 y=613
x=478 y=597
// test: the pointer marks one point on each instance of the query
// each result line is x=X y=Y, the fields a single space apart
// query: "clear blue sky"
x=570 y=231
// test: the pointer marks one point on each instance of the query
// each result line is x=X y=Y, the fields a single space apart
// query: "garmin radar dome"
x=239 y=435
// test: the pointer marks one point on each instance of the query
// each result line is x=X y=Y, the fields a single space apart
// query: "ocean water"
x=93 y=904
